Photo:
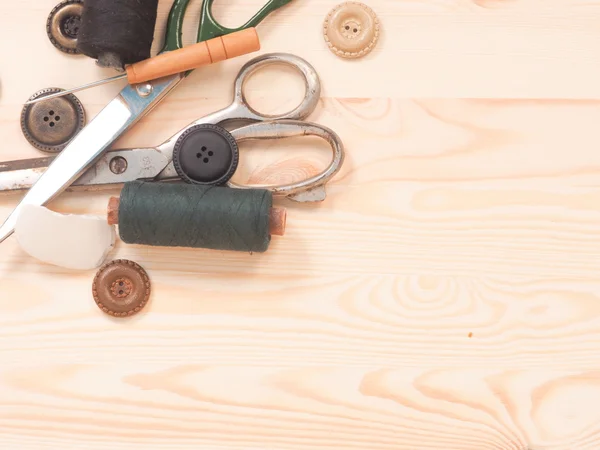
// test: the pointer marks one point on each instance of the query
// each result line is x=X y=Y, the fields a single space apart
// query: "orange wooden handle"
x=194 y=56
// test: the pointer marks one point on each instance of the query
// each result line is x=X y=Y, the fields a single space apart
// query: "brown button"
x=351 y=30
x=121 y=288
x=50 y=125
x=63 y=25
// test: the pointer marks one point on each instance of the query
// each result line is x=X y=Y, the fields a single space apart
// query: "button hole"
x=57 y=118
x=210 y=153
x=46 y=119
x=51 y=124
x=203 y=149
x=198 y=155
x=347 y=27
x=51 y=113
x=355 y=30
x=205 y=160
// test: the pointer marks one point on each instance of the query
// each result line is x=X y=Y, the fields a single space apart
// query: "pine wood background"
x=444 y=296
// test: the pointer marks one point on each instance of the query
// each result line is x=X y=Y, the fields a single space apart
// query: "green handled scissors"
x=209 y=28
x=125 y=110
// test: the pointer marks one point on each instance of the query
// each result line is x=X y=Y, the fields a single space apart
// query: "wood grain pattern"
x=445 y=296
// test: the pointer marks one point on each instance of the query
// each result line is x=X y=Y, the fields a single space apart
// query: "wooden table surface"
x=446 y=295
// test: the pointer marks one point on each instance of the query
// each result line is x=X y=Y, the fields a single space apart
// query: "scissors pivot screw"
x=118 y=165
x=144 y=90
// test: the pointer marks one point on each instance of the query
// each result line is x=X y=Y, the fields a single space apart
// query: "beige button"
x=351 y=30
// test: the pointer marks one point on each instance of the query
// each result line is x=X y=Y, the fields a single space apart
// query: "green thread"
x=195 y=216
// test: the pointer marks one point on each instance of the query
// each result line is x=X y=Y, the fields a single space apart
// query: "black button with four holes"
x=206 y=154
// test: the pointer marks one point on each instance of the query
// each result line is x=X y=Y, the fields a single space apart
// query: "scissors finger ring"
x=121 y=166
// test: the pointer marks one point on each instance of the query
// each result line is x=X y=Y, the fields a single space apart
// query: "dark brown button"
x=51 y=124
x=121 y=288
x=63 y=25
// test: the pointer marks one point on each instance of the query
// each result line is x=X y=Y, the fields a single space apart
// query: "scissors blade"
x=89 y=144
x=114 y=168
x=21 y=174
x=78 y=155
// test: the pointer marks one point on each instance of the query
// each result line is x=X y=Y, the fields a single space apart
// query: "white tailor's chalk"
x=77 y=242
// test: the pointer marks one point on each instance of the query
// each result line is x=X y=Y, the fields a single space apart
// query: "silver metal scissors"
x=124 y=111
x=120 y=166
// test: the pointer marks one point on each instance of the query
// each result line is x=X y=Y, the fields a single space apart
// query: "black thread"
x=185 y=215
x=117 y=32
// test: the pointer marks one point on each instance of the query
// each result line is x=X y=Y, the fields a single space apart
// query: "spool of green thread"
x=195 y=216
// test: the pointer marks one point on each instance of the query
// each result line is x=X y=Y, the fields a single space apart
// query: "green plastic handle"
x=209 y=28
x=174 y=33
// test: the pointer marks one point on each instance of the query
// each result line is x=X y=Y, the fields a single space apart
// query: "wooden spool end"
x=113 y=211
x=277 y=221
x=277 y=217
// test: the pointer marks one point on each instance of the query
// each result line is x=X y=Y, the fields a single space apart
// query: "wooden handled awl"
x=177 y=61
x=194 y=56
x=277 y=217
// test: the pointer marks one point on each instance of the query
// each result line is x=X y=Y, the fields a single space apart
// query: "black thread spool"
x=117 y=32
x=195 y=216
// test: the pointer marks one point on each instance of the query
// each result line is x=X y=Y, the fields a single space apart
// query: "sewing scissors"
x=125 y=110
x=156 y=164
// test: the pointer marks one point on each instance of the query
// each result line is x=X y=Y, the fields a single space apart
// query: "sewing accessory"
x=51 y=125
x=121 y=288
x=117 y=32
x=193 y=216
x=206 y=154
x=188 y=58
x=351 y=30
x=126 y=109
x=63 y=25
x=120 y=166
x=72 y=241
x=277 y=217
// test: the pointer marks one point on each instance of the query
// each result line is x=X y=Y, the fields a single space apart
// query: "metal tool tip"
x=8 y=227
x=5 y=233
x=35 y=100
